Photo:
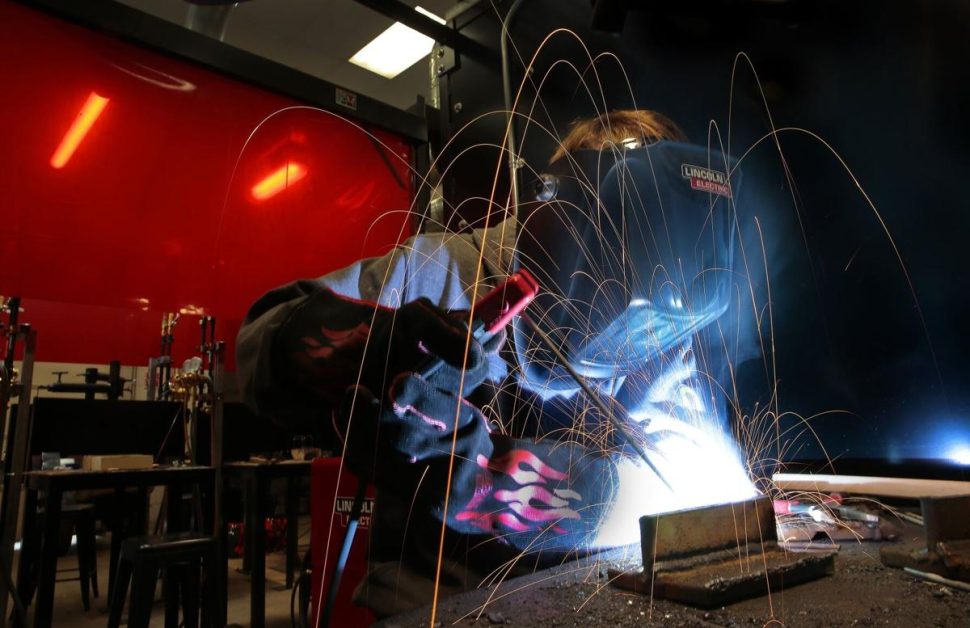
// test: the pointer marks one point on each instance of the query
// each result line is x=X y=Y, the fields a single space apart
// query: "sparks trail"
x=579 y=430
x=681 y=392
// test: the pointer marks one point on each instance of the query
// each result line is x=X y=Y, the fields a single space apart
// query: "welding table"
x=256 y=478
x=56 y=483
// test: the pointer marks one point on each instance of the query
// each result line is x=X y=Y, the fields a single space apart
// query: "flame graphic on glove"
x=529 y=507
x=336 y=339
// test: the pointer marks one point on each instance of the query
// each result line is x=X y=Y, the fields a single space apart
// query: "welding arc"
x=594 y=397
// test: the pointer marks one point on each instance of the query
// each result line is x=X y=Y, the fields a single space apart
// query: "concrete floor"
x=68 y=610
x=861 y=592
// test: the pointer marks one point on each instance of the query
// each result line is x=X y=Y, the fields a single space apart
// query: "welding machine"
x=328 y=524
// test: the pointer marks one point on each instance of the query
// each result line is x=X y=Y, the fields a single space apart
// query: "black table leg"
x=28 y=553
x=217 y=567
x=292 y=527
x=256 y=533
x=220 y=573
x=141 y=519
x=117 y=536
x=247 y=558
x=44 y=607
x=208 y=524
x=174 y=515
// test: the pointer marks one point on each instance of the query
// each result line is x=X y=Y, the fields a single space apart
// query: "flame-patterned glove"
x=536 y=496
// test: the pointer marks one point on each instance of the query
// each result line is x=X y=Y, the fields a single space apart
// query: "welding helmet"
x=633 y=248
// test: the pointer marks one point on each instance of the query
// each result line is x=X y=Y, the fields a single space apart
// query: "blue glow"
x=959 y=453
x=944 y=439
x=949 y=439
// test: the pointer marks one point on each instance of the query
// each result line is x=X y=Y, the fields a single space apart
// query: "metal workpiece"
x=946 y=550
x=685 y=534
x=712 y=556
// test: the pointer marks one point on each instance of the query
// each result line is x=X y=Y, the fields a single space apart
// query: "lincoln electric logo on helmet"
x=706 y=180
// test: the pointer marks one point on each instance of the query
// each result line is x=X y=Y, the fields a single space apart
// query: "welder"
x=629 y=233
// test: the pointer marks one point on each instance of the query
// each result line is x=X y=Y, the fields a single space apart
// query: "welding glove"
x=401 y=423
x=538 y=496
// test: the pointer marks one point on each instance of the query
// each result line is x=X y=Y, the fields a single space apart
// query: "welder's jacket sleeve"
x=440 y=267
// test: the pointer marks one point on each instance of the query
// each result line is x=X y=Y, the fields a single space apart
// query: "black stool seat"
x=167 y=547
x=182 y=556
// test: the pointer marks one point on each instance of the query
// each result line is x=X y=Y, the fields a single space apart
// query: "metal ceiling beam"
x=441 y=33
x=118 y=20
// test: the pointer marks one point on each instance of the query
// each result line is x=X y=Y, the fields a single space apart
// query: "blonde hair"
x=618 y=128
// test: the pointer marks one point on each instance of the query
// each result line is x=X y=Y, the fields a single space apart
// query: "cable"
x=296 y=588
x=300 y=588
x=168 y=434
x=510 y=115
x=338 y=568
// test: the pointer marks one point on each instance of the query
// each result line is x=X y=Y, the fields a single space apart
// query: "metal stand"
x=214 y=352
x=16 y=433
x=202 y=391
x=160 y=368
x=217 y=370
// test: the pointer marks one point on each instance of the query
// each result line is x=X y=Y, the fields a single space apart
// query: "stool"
x=80 y=517
x=182 y=556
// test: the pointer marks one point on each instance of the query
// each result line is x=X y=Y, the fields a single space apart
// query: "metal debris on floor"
x=946 y=550
x=830 y=519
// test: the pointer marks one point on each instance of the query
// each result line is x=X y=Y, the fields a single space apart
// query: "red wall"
x=148 y=215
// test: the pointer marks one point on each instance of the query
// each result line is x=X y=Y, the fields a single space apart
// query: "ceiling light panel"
x=396 y=49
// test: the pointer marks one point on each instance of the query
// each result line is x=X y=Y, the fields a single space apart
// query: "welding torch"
x=544 y=339
x=494 y=311
x=601 y=405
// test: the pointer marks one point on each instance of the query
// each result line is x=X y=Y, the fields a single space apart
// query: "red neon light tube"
x=85 y=119
x=278 y=180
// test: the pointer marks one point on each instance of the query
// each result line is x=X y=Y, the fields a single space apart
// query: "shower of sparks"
x=685 y=403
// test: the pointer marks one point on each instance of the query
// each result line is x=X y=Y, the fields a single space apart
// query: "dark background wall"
x=885 y=84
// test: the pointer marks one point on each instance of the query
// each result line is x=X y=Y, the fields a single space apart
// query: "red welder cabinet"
x=328 y=523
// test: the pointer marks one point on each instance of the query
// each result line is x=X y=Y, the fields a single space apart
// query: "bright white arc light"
x=959 y=454
x=702 y=465
x=396 y=49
